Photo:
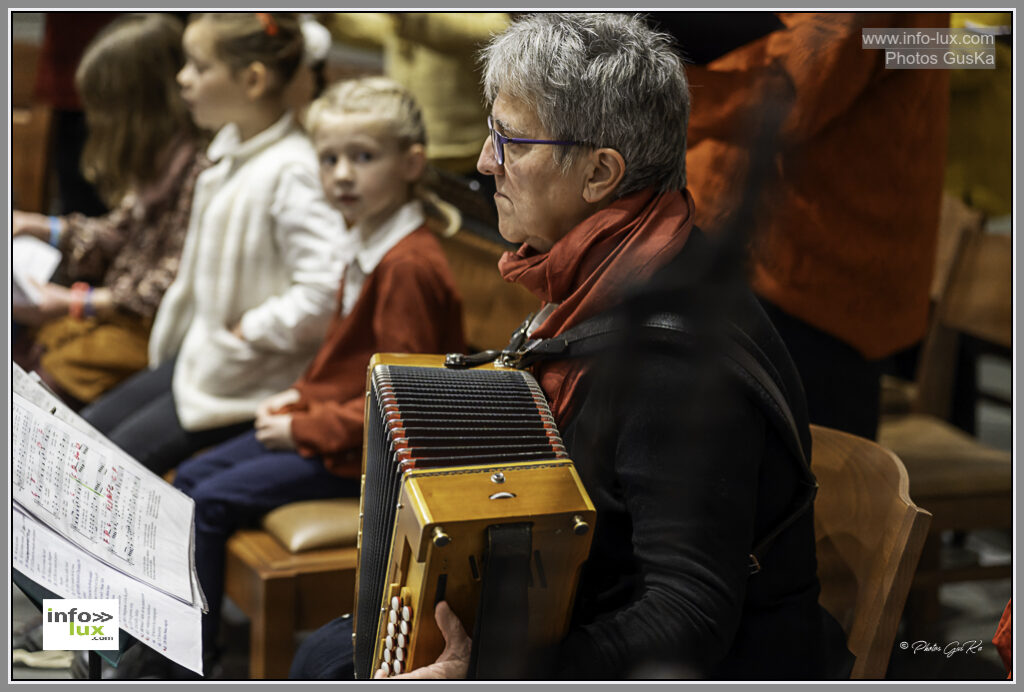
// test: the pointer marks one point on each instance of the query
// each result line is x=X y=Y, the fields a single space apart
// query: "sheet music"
x=31 y=259
x=35 y=390
x=165 y=624
x=102 y=500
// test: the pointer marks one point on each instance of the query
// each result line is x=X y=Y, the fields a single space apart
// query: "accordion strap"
x=499 y=650
x=739 y=352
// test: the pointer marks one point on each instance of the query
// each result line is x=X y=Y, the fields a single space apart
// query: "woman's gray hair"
x=604 y=79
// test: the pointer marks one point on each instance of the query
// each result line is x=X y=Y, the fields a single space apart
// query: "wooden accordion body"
x=451 y=458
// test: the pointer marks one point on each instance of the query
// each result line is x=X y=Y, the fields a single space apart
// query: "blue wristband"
x=54 y=231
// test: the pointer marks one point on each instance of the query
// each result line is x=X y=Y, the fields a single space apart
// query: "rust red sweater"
x=846 y=232
x=408 y=304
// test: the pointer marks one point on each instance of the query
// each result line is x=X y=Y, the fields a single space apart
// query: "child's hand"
x=453 y=663
x=275 y=431
x=30 y=223
x=54 y=302
x=276 y=402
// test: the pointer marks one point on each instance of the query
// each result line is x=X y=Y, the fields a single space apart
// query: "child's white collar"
x=407 y=219
x=227 y=141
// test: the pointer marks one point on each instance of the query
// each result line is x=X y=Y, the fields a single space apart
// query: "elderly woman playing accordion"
x=703 y=556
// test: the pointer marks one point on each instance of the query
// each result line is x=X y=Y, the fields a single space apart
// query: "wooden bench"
x=283 y=593
x=492 y=308
x=30 y=133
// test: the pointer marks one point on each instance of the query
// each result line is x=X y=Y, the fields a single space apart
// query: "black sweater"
x=687 y=473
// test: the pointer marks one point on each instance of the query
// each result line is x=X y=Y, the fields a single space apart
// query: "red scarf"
x=590 y=269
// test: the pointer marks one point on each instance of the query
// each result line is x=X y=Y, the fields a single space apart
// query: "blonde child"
x=397 y=294
x=144 y=154
x=255 y=289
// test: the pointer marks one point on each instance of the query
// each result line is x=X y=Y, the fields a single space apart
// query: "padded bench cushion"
x=315 y=524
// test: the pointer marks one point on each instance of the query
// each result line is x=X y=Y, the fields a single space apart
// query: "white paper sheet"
x=34 y=390
x=102 y=500
x=31 y=260
x=162 y=623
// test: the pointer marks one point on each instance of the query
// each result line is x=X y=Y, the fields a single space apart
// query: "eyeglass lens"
x=499 y=149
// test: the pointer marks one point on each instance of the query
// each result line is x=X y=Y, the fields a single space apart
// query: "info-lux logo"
x=75 y=624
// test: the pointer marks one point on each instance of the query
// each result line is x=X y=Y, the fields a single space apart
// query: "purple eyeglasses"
x=499 y=141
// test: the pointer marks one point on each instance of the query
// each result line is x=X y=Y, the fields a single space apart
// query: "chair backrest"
x=973 y=294
x=956 y=219
x=869 y=538
x=979 y=296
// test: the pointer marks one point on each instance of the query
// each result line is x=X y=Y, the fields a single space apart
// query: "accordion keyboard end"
x=440 y=539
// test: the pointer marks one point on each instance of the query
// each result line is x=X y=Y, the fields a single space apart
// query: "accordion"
x=468 y=496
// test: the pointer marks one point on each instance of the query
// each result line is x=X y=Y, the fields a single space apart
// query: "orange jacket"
x=847 y=222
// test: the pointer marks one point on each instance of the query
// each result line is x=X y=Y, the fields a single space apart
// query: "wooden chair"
x=869 y=537
x=30 y=133
x=965 y=484
x=900 y=396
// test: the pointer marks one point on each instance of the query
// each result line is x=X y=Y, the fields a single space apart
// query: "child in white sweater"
x=259 y=270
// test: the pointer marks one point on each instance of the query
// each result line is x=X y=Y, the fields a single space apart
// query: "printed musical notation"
x=87 y=520
x=90 y=492
x=77 y=484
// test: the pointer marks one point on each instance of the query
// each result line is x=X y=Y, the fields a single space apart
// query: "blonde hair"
x=132 y=102
x=273 y=39
x=397 y=110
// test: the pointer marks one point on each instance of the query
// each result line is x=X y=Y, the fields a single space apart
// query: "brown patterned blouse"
x=134 y=250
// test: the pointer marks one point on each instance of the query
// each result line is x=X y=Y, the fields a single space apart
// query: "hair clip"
x=269 y=26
